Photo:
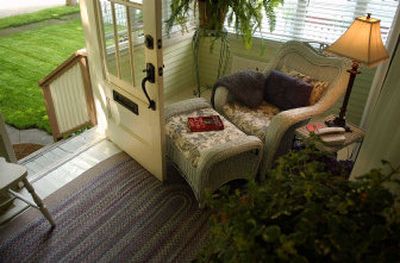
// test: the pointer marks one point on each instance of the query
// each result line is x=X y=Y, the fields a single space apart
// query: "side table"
x=356 y=135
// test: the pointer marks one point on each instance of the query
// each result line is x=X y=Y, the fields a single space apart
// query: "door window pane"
x=108 y=37
x=123 y=41
x=122 y=35
x=136 y=22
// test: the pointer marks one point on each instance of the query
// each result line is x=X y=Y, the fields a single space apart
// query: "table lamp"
x=362 y=43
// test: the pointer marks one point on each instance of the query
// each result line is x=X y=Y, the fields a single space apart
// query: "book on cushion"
x=205 y=123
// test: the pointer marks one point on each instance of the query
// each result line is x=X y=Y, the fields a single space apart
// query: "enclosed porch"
x=98 y=96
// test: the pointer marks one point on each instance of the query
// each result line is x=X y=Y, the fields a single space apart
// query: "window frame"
x=109 y=77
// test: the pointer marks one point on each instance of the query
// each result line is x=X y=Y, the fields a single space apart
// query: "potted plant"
x=245 y=15
x=308 y=211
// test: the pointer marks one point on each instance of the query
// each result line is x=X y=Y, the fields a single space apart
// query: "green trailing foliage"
x=308 y=211
x=224 y=53
x=245 y=15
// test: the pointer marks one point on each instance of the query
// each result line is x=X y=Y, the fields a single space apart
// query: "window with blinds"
x=324 y=21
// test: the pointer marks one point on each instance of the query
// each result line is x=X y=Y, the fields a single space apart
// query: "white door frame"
x=140 y=135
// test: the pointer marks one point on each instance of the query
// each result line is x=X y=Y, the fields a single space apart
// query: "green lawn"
x=27 y=57
x=19 y=20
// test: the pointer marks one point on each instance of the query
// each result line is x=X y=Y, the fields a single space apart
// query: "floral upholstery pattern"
x=193 y=144
x=253 y=121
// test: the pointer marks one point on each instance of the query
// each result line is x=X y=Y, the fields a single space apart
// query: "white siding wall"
x=179 y=67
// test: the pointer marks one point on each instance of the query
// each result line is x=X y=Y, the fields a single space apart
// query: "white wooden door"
x=131 y=36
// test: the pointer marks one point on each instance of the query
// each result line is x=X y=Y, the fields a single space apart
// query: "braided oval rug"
x=114 y=212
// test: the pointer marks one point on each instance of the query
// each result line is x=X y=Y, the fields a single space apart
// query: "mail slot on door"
x=125 y=102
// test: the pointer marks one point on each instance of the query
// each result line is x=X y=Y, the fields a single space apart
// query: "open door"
x=129 y=36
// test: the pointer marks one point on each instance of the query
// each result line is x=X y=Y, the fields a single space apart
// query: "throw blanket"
x=246 y=86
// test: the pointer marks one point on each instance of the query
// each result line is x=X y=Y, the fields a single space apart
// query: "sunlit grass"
x=19 y=20
x=26 y=58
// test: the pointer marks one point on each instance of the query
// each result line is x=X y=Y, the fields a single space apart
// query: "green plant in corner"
x=245 y=16
x=304 y=212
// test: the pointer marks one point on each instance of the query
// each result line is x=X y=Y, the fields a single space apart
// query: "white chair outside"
x=12 y=173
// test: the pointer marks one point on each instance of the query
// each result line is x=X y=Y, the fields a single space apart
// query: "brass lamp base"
x=340 y=121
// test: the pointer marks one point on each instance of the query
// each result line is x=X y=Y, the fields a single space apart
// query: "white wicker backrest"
x=241 y=63
x=302 y=57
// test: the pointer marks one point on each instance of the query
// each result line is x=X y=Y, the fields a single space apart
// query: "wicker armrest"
x=184 y=106
x=280 y=124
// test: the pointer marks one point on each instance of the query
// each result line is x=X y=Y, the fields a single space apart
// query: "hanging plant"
x=244 y=15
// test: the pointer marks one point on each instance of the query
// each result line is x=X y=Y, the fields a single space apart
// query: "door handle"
x=150 y=77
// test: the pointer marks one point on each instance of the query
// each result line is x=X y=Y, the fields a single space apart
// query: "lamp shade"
x=362 y=42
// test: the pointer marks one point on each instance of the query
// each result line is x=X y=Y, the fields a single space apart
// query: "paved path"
x=60 y=20
x=34 y=136
x=16 y=7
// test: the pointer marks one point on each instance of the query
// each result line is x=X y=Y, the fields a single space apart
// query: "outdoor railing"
x=68 y=96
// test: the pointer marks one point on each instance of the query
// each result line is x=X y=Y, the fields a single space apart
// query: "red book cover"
x=205 y=123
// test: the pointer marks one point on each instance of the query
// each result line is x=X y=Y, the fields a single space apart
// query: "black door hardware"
x=149 y=42
x=150 y=77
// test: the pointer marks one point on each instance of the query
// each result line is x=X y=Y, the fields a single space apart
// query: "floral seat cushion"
x=193 y=144
x=253 y=121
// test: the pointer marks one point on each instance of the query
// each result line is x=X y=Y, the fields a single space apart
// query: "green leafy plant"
x=245 y=15
x=305 y=213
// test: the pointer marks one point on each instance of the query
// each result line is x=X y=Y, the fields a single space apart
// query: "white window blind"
x=324 y=21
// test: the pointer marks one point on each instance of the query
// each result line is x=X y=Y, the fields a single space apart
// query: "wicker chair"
x=277 y=134
x=206 y=160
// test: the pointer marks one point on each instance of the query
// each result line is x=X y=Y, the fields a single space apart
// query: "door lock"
x=149 y=41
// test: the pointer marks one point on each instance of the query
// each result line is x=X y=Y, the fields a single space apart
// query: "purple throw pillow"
x=286 y=92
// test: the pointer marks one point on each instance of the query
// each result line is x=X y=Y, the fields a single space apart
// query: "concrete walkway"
x=17 y=7
x=34 y=136
x=61 y=20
